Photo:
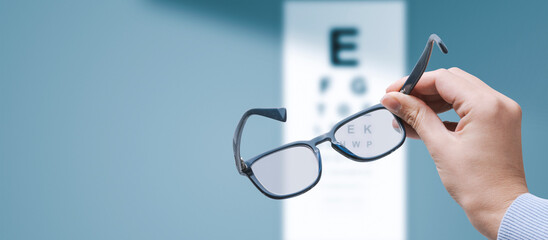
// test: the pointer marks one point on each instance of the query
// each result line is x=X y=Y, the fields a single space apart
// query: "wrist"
x=486 y=212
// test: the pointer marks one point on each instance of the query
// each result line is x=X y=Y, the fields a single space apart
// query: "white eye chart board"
x=338 y=58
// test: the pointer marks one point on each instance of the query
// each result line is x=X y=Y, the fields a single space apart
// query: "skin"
x=479 y=159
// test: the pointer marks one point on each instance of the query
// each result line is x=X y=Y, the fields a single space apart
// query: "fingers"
x=471 y=78
x=411 y=133
x=439 y=106
x=454 y=87
x=425 y=86
x=418 y=116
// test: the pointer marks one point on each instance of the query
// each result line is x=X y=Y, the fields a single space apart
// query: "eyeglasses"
x=296 y=167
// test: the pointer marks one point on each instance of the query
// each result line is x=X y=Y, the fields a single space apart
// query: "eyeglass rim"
x=249 y=172
x=344 y=151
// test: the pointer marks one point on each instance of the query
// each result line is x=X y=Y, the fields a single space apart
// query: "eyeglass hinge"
x=243 y=165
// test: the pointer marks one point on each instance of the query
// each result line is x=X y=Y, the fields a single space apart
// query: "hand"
x=479 y=159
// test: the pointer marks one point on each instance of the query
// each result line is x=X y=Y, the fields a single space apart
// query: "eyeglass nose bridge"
x=329 y=137
x=321 y=139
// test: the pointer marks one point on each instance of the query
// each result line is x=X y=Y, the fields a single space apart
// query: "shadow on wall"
x=265 y=16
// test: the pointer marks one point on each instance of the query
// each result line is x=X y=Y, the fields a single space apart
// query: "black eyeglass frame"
x=280 y=114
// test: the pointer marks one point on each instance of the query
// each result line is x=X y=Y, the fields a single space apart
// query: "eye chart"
x=338 y=58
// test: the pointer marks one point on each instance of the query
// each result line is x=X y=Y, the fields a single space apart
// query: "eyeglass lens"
x=287 y=171
x=371 y=134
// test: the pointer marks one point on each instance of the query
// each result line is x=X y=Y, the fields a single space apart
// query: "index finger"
x=425 y=86
x=453 y=89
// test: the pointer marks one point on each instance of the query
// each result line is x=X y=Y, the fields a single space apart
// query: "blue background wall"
x=116 y=117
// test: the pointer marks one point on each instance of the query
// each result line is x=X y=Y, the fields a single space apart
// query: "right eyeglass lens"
x=287 y=171
x=371 y=134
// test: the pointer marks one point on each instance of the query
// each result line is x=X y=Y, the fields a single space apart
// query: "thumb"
x=418 y=115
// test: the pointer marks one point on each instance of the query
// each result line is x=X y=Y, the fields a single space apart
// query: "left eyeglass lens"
x=287 y=171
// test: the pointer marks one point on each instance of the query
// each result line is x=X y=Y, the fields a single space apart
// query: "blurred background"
x=116 y=117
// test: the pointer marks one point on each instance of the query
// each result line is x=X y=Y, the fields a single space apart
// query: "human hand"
x=479 y=159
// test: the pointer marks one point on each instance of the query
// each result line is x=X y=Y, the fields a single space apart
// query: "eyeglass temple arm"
x=279 y=114
x=420 y=67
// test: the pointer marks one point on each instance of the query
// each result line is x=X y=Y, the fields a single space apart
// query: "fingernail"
x=391 y=103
